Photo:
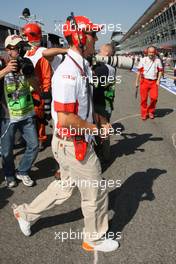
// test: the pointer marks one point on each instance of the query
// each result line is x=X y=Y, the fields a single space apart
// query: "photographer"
x=103 y=96
x=17 y=112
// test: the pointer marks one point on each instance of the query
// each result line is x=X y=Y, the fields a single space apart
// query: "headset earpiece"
x=78 y=37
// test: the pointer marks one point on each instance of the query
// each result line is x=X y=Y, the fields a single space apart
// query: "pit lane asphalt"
x=142 y=209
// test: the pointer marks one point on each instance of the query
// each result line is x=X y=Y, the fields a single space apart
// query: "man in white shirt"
x=73 y=150
x=149 y=73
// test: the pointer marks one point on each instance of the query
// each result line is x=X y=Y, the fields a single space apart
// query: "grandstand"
x=157 y=26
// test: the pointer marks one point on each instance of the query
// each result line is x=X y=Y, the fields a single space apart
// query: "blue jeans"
x=28 y=131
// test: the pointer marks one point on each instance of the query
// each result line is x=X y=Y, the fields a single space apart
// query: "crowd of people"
x=59 y=83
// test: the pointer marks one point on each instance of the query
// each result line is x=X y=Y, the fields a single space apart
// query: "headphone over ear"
x=78 y=36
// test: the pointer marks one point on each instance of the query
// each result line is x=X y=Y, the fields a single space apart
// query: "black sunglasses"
x=12 y=48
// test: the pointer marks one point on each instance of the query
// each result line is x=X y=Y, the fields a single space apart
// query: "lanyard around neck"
x=78 y=66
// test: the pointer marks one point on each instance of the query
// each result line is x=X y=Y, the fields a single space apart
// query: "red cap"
x=84 y=25
x=32 y=31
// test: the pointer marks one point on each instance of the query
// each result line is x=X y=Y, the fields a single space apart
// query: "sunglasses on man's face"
x=12 y=48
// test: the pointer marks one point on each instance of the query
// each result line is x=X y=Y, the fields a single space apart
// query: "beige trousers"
x=86 y=175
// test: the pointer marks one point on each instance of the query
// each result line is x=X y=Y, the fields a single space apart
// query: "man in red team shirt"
x=42 y=99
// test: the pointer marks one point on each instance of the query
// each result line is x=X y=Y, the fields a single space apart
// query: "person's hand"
x=11 y=66
x=157 y=83
x=104 y=130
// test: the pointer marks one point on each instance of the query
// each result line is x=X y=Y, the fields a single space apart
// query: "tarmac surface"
x=142 y=209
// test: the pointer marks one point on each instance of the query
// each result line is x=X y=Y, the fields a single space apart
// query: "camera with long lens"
x=120 y=62
x=24 y=65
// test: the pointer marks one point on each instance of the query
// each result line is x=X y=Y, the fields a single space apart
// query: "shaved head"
x=106 y=50
x=151 y=50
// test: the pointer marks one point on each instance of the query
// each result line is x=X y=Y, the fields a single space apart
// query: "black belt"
x=149 y=79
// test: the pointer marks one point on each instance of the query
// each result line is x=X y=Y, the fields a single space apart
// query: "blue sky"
x=124 y=12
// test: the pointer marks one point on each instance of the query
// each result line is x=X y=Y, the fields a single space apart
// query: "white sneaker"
x=24 y=225
x=107 y=245
x=27 y=181
x=10 y=183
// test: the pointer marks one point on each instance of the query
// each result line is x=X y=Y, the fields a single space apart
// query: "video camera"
x=24 y=64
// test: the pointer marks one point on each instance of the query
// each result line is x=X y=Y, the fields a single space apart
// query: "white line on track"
x=126 y=117
x=136 y=115
x=174 y=140
x=95 y=257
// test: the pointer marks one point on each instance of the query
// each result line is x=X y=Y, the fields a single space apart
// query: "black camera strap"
x=89 y=93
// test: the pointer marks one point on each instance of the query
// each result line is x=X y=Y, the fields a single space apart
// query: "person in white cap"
x=17 y=112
